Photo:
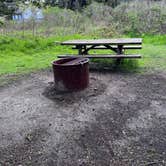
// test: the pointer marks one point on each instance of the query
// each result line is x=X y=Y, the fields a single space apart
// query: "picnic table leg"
x=119 y=51
x=85 y=50
x=82 y=50
x=79 y=49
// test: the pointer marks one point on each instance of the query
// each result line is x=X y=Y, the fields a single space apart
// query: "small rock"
x=150 y=142
x=43 y=140
x=28 y=137
x=124 y=132
x=39 y=152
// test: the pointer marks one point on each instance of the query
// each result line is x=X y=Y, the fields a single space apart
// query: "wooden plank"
x=120 y=41
x=115 y=47
x=132 y=47
x=101 y=56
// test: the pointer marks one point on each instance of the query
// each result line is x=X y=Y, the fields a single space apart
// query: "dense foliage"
x=7 y=7
x=134 y=17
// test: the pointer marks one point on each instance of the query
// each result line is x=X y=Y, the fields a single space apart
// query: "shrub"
x=133 y=17
x=141 y=17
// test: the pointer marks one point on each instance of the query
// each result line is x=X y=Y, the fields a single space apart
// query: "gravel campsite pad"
x=120 y=119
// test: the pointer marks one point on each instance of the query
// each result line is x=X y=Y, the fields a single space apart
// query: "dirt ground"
x=120 y=120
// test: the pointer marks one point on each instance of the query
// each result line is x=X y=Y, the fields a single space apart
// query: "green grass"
x=24 y=55
x=153 y=52
x=29 y=54
x=153 y=55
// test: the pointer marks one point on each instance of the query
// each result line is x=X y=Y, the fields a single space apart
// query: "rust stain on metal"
x=71 y=73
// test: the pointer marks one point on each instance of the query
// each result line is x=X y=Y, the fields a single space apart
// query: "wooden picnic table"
x=116 y=45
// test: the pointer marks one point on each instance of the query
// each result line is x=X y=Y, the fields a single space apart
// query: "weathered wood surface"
x=115 y=47
x=120 y=41
x=101 y=56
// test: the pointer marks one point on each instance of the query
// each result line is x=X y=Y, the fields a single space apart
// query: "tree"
x=79 y=4
x=70 y=4
x=8 y=7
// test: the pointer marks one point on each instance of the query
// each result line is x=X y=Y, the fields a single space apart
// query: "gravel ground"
x=120 y=119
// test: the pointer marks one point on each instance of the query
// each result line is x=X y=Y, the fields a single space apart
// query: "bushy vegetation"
x=24 y=55
x=11 y=6
x=132 y=18
x=30 y=44
x=19 y=56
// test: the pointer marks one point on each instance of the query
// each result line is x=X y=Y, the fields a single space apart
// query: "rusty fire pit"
x=71 y=73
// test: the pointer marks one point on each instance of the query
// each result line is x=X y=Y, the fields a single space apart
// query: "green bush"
x=141 y=17
x=133 y=18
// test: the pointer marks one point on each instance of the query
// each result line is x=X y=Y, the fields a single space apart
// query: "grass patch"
x=29 y=54
x=153 y=55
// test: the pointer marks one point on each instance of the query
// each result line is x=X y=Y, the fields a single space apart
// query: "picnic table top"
x=120 y=41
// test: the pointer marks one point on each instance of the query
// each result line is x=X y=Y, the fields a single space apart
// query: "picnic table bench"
x=116 y=45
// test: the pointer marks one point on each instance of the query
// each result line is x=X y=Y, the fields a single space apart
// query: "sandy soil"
x=119 y=120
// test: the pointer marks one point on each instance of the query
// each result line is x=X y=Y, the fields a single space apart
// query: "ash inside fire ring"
x=96 y=87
